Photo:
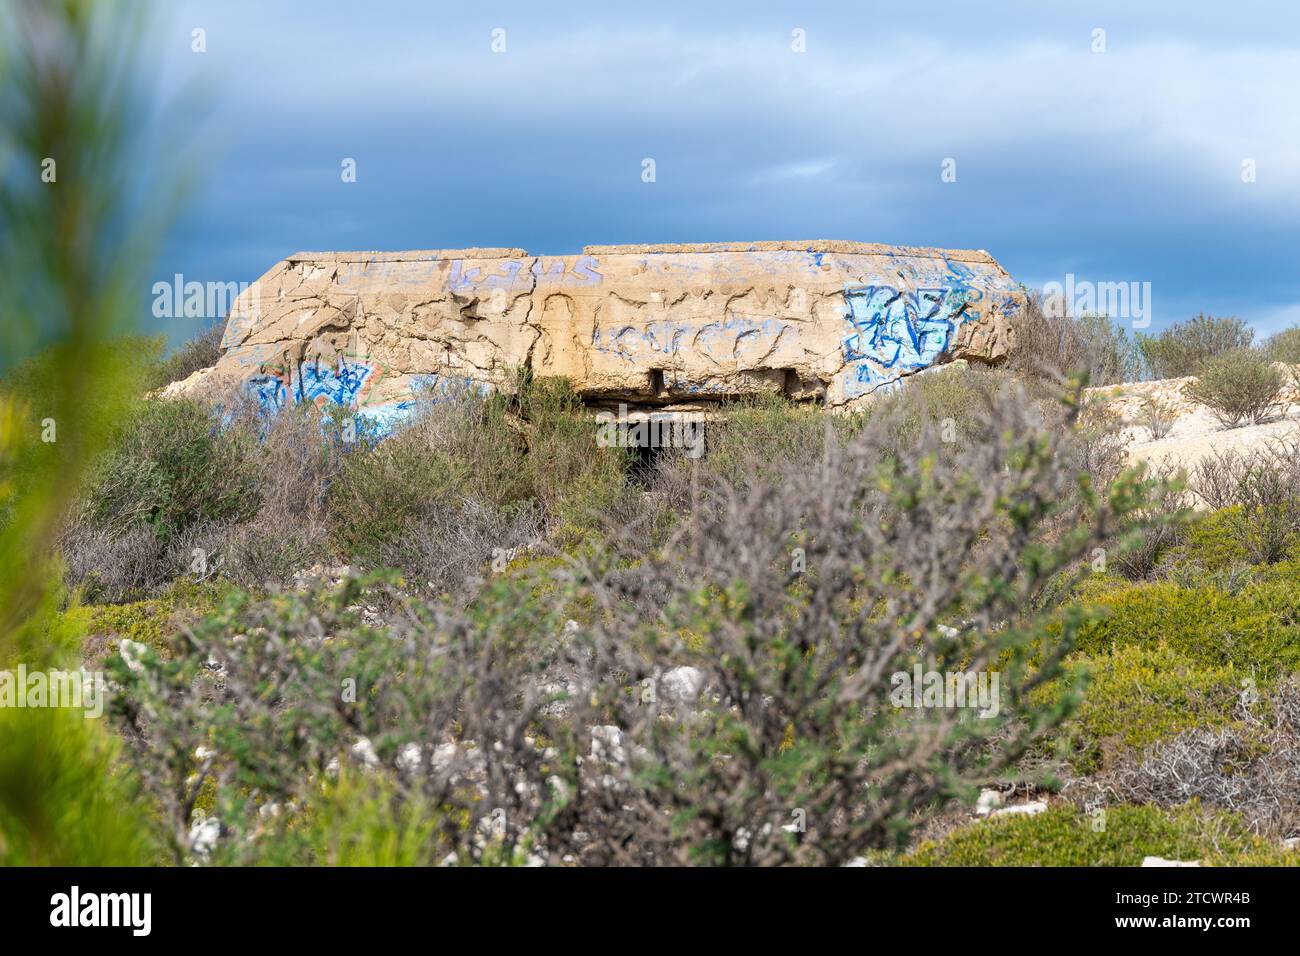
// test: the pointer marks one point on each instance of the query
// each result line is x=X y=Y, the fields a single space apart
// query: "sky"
x=1164 y=149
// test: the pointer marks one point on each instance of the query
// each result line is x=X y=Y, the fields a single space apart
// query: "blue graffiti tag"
x=312 y=381
x=269 y=390
x=345 y=384
x=319 y=383
x=892 y=332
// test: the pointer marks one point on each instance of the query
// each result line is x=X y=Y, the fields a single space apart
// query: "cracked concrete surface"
x=673 y=327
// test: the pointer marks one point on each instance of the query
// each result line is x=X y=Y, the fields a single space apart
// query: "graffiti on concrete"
x=727 y=339
x=317 y=382
x=383 y=419
x=434 y=387
x=902 y=330
x=464 y=277
x=269 y=389
x=664 y=324
x=585 y=271
x=894 y=331
x=349 y=383
x=343 y=384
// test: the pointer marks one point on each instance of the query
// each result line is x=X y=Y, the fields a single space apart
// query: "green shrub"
x=510 y=690
x=1286 y=571
x=173 y=466
x=145 y=622
x=1284 y=346
x=30 y=396
x=381 y=493
x=1268 y=519
x=782 y=430
x=451 y=490
x=1257 y=629
x=153 y=622
x=948 y=400
x=173 y=469
x=1240 y=387
x=1137 y=695
x=1211 y=543
x=280 y=725
x=360 y=819
x=499 y=454
x=484 y=437
x=202 y=351
x=65 y=799
x=1184 y=348
x=580 y=484
x=76 y=256
x=593 y=507
x=1065 y=836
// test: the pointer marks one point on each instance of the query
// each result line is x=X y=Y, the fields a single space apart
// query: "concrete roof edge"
x=812 y=246
x=417 y=255
x=682 y=248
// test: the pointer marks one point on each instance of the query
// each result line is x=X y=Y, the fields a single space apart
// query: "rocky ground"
x=1195 y=432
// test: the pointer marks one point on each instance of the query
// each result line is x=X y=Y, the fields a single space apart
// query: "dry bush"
x=1252 y=768
x=727 y=699
x=1098 y=448
x=295 y=467
x=115 y=565
x=1185 y=348
x=1240 y=387
x=1217 y=478
x=795 y=601
x=1051 y=344
x=1260 y=494
x=449 y=543
x=1157 y=528
x=1269 y=514
x=1158 y=417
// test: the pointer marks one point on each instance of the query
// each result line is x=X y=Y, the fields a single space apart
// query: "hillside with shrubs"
x=489 y=639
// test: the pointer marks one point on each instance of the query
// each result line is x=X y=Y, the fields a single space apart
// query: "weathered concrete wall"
x=672 y=327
